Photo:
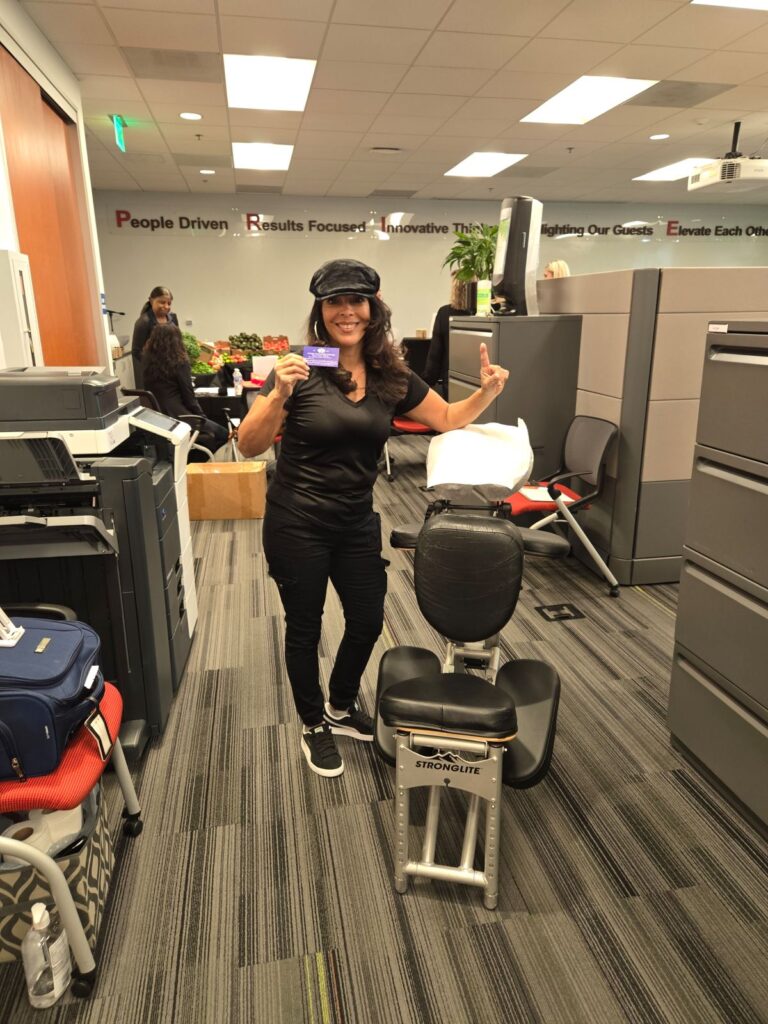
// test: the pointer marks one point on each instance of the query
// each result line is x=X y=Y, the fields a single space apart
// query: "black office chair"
x=196 y=422
x=584 y=455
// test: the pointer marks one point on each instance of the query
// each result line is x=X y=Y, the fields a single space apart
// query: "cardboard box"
x=226 y=490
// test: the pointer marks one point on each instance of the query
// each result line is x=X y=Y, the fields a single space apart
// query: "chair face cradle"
x=443 y=727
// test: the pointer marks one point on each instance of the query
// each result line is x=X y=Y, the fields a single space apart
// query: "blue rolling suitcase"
x=50 y=682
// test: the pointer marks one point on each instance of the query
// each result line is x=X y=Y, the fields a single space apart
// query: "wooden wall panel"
x=48 y=221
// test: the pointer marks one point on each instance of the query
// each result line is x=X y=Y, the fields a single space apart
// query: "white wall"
x=227 y=280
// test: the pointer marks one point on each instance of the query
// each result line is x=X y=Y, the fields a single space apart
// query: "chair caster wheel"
x=614 y=591
x=82 y=984
x=132 y=826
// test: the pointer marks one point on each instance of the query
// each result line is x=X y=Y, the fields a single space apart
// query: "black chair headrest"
x=468 y=572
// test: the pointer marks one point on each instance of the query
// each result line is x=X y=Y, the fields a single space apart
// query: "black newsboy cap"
x=344 y=277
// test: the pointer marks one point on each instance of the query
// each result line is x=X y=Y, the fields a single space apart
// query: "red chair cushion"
x=406 y=426
x=519 y=503
x=79 y=770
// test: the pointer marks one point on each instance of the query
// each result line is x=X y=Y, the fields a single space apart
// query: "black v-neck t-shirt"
x=330 y=448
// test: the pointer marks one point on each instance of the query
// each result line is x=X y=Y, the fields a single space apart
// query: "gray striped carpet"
x=259 y=892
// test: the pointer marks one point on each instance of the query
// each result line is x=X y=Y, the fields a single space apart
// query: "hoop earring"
x=314 y=331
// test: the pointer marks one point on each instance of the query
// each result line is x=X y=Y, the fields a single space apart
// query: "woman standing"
x=320 y=524
x=168 y=375
x=156 y=310
x=436 y=367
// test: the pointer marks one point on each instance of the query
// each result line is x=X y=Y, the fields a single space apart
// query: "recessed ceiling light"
x=207 y=172
x=267 y=83
x=657 y=138
x=587 y=98
x=673 y=172
x=748 y=5
x=188 y=115
x=261 y=156
x=484 y=165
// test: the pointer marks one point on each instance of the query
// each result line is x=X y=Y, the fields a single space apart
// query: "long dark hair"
x=156 y=292
x=387 y=374
x=163 y=353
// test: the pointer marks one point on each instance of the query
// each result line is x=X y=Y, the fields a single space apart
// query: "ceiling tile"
x=268 y=119
x=171 y=6
x=746 y=97
x=394 y=13
x=187 y=93
x=339 y=101
x=505 y=112
x=755 y=42
x=300 y=10
x=524 y=85
x=725 y=67
x=171 y=31
x=305 y=187
x=406 y=125
x=188 y=132
x=104 y=87
x=86 y=59
x=566 y=56
x=651 y=62
x=464 y=50
x=422 y=106
x=360 y=190
x=175 y=65
x=709 y=27
x=338 y=122
x=607 y=20
x=272 y=37
x=444 y=81
x=70 y=23
x=355 y=76
x=472 y=128
x=330 y=145
x=508 y=17
x=353 y=43
x=259 y=177
x=168 y=113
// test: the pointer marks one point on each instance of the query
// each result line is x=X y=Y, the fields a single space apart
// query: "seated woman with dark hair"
x=168 y=375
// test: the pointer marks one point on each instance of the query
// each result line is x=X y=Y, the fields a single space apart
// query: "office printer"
x=93 y=514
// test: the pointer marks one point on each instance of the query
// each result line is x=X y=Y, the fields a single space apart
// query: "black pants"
x=212 y=436
x=302 y=558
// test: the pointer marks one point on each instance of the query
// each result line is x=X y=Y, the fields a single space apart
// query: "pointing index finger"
x=485 y=362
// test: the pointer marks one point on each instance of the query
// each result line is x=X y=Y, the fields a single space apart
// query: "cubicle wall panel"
x=588 y=293
x=678 y=352
x=720 y=732
x=728 y=512
x=661 y=513
x=728 y=630
x=603 y=353
x=670 y=436
x=709 y=289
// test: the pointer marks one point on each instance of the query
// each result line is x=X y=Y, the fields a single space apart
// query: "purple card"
x=321 y=355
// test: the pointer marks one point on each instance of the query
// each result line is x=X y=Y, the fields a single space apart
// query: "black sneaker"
x=354 y=723
x=319 y=748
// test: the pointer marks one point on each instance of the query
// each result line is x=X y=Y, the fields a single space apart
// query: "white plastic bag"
x=494 y=457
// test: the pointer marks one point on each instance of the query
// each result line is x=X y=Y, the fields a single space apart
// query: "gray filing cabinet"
x=542 y=356
x=718 y=704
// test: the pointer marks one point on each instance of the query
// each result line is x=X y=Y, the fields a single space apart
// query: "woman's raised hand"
x=492 y=377
x=288 y=372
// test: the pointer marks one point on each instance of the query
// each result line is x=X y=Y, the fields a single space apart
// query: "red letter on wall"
x=121 y=216
x=672 y=226
x=252 y=220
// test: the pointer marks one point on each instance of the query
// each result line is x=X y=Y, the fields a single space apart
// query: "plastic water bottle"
x=45 y=953
x=237 y=380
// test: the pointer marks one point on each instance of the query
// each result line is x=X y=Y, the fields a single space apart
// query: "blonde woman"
x=557 y=268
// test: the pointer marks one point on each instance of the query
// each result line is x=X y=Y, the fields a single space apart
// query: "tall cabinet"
x=718 y=708
x=542 y=356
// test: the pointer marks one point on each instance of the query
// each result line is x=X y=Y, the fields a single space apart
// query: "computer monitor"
x=517 y=256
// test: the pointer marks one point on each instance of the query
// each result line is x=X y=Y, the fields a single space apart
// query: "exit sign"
x=119 y=124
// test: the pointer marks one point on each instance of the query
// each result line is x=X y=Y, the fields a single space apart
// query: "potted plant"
x=472 y=255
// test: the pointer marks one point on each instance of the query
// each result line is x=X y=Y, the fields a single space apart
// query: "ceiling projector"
x=734 y=173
